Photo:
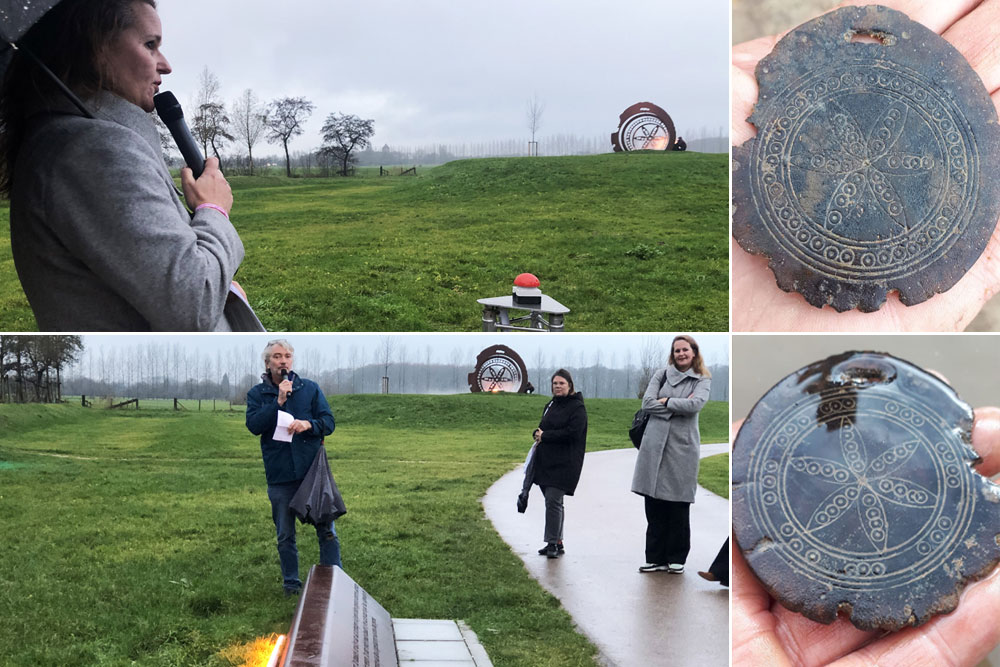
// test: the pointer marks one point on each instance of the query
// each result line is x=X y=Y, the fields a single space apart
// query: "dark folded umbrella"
x=318 y=499
x=529 y=478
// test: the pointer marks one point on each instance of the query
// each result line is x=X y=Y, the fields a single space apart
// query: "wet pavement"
x=634 y=619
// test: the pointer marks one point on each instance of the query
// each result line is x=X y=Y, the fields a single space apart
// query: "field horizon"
x=627 y=241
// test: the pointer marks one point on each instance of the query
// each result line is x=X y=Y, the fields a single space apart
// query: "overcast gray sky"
x=447 y=71
x=714 y=347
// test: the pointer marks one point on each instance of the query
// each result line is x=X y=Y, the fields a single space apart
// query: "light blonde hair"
x=698 y=365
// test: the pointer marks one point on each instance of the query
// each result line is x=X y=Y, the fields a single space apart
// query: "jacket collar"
x=269 y=385
x=110 y=107
x=674 y=376
x=575 y=396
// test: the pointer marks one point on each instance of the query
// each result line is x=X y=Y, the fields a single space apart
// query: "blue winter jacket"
x=288 y=461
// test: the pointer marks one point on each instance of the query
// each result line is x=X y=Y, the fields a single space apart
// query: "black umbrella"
x=529 y=479
x=16 y=18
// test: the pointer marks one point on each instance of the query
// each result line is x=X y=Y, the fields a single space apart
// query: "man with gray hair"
x=286 y=463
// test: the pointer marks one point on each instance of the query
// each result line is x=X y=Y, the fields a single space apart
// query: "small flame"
x=261 y=652
x=276 y=652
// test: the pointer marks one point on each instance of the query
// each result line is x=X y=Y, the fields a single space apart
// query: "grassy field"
x=145 y=537
x=627 y=241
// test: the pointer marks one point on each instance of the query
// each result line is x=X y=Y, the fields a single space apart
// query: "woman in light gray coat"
x=666 y=470
x=100 y=239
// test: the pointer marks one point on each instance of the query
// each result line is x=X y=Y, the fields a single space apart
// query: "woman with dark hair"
x=666 y=469
x=100 y=238
x=561 y=439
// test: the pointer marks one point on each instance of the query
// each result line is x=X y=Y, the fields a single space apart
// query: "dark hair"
x=68 y=40
x=697 y=364
x=563 y=373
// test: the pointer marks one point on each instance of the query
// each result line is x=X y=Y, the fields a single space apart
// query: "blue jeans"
x=280 y=496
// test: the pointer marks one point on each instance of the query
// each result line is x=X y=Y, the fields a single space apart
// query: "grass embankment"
x=145 y=537
x=627 y=241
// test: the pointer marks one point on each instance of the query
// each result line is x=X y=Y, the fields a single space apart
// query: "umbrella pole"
x=62 y=86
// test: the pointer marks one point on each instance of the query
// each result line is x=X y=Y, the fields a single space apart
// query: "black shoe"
x=559 y=549
x=292 y=592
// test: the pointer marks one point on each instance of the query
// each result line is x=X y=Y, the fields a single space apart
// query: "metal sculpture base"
x=547 y=316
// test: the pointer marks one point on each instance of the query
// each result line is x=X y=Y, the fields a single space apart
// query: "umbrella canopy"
x=16 y=18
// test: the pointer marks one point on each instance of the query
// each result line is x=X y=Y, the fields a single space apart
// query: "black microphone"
x=169 y=110
x=284 y=376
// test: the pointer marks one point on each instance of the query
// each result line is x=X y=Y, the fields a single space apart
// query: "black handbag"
x=640 y=420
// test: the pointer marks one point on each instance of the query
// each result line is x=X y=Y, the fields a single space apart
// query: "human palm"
x=765 y=633
x=759 y=304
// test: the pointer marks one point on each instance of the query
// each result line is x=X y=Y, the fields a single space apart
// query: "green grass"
x=627 y=241
x=145 y=537
x=713 y=474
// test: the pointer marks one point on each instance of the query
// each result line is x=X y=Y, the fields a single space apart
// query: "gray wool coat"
x=100 y=238
x=667 y=464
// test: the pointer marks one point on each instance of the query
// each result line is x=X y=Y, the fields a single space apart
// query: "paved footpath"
x=636 y=620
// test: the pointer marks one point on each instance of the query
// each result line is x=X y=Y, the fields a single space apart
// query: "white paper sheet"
x=285 y=420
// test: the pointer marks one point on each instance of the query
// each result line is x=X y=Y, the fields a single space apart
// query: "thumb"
x=187 y=178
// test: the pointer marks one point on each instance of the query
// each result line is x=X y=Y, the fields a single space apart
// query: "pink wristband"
x=215 y=206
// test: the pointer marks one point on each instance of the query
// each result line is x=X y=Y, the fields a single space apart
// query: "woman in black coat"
x=558 y=459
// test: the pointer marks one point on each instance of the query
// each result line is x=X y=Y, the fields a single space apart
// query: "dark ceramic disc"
x=874 y=166
x=853 y=491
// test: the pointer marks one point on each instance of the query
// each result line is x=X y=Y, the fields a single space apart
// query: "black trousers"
x=720 y=566
x=668 y=531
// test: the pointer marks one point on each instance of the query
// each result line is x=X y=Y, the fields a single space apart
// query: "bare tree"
x=248 y=121
x=387 y=346
x=342 y=134
x=540 y=370
x=208 y=94
x=284 y=120
x=598 y=374
x=651 y=358
x=534 y=115
x=211 y=125
x=427 y=369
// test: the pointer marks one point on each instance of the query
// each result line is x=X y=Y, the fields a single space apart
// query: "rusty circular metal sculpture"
x=498 y=369
x=853 y=492
x=644 y=126
x=874 y=165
